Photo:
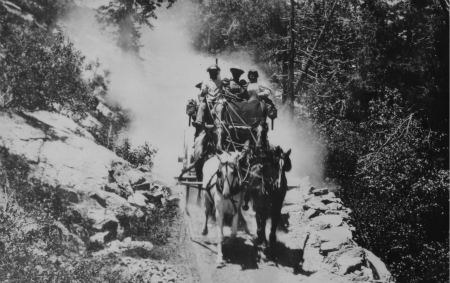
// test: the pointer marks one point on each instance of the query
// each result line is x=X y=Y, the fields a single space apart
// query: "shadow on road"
x=239 y=251
x=282 y=255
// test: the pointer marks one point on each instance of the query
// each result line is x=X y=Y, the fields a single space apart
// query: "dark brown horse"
x=267 y=187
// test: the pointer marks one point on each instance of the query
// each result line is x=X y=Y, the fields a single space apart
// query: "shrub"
x=42 y=69
x=32 y=246
x=398 y=192
x=140 y=156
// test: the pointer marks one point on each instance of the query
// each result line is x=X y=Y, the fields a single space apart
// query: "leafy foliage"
x=33 y=248
x=128 y=17
x=40 y=69
x=373 y=76
x=142 y=155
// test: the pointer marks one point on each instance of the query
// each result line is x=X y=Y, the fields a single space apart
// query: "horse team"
x=232 y=159
x=230 y=179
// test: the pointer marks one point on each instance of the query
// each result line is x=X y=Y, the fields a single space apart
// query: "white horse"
x=222 y=182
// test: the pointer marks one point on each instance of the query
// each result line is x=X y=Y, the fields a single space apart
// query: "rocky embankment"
x=107 y=201
x=105 y=196
x=318 y=224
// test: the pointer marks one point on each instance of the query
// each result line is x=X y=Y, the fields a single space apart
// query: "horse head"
x=229 y=178
x=283 y=164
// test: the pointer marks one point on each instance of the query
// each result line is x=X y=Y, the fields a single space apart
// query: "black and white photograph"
x=224 y=141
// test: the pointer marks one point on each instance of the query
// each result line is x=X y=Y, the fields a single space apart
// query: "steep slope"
x=107 y=207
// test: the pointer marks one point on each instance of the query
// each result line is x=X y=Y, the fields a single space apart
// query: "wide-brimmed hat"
x=213 y=68
x=236 y=70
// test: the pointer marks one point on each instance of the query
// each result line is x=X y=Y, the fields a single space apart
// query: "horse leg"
x=187 y=200
x=234 y=223
x=219 y=217
x=261 y=219
x=276 y=215
x=208 y=211
x=199 y=195
x=242 y=222
x=205 y=227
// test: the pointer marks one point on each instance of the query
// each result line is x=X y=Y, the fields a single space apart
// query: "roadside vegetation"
x=373 y=77
x=41 y=70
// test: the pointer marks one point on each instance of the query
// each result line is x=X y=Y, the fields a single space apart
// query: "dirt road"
x=244 y=263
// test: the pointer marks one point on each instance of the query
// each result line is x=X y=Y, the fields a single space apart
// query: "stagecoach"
x=236 y=164
x=242 y=121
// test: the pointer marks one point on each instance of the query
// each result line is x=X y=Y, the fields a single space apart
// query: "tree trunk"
x=316 y=44
x=290 y=96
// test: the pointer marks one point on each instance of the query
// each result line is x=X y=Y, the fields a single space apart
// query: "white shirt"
x=211 y=89
x=255 y=89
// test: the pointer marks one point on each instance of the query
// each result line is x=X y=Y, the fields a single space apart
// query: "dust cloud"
x=156 y=86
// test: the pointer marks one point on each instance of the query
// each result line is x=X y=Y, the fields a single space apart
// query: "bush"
x=398 y=193
x=41 y=70
x=32 y=246
x=140 y=156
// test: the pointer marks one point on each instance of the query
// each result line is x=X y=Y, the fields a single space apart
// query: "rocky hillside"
x=106 y=206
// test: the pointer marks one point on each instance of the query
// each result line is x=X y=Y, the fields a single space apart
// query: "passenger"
x=235 y=86
x=255 y=89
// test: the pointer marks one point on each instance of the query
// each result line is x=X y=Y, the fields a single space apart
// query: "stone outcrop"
x=319 y=226
x=102 y=189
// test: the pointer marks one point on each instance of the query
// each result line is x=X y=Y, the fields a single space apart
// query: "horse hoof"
x=205 y=232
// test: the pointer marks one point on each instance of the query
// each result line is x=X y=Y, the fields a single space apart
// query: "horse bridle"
x=222 y=179
x=280 y=172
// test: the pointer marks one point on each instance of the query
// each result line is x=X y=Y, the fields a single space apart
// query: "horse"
x=203 y=148
x=223 y=193
x=267 y=189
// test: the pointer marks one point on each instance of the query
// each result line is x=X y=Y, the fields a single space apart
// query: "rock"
x=310 y=213
x=327 y=221
x=340 y=235
x=379 y=269
x=136 y=177
x=315 y=204
x=142 y=187
x=312 y=259
x=118 y=205
x=102 y=219
x=155 y=198
x=113 y=188
x=138 y=199
x=350 y=260
x=325 y=277
x=127 y=247
x=327 y=247
x=341 y=213
x=334 y=206
x=98 y=238
x=156 y=279
x=330 y=198
x=319 y=192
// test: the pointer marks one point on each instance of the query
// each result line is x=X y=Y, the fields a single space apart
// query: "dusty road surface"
x=244 y=262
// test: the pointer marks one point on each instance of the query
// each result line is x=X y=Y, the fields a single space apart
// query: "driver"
x=209 y=91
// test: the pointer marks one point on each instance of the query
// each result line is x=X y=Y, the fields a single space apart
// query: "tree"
x=128 y=16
